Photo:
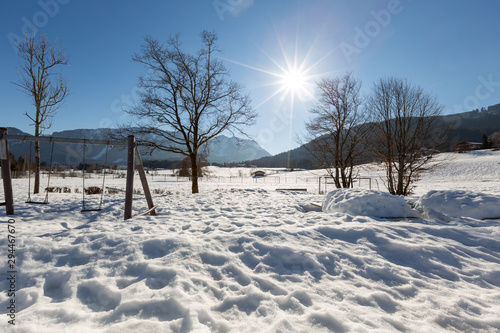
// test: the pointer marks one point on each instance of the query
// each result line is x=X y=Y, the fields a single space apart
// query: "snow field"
x=248 y=258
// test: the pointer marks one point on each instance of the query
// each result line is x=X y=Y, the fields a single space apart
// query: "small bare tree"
x=186 y=100
x=185 y=167
x=45 y=86
x=405 y=131
x=337 y=132
x=495 y=140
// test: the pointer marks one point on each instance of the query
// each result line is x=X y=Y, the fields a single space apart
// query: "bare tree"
x=45 y=86
x=186 y=99
x=337 y=132
x=495 y=140
x=405 y=132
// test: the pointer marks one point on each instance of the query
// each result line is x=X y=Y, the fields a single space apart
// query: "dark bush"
x=52 y=189
x=93 y=190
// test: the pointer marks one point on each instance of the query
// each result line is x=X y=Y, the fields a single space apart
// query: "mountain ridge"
x=466 y=126
x=222 y=149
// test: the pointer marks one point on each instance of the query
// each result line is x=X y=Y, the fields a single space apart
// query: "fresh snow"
x=461 y=204
x=364 y=202
x=243 y=257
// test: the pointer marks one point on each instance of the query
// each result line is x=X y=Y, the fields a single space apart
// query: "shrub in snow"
x=93 y=190
x=367 y=203
x=460 y=204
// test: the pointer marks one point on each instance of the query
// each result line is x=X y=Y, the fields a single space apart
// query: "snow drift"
x=367 y=203
x=460 y=203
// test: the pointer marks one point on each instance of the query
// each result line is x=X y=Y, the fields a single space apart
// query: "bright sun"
x=293 y=80
x=294 y=75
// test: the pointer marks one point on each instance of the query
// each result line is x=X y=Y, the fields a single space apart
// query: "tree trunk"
x=37 y=161
x=194 y=173
x=337 y=176
x=401 y=181
x=390 y=179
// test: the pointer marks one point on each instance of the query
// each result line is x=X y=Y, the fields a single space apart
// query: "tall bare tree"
x=186 y=99
x=337 y=132
x=406 y=131
x=39 y=79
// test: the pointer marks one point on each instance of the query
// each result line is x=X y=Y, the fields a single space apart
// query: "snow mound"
x=367 y=203
x=460 y=204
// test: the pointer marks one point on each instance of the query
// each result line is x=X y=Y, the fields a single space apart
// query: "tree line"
x=396 y=124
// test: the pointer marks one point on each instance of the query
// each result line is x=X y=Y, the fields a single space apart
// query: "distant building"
x=258 y=173
x=464 y=147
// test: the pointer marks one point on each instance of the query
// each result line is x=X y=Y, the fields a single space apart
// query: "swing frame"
x=134 y=162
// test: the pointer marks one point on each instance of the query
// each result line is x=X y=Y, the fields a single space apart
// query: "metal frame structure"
x=327 y=178
x=134 y=162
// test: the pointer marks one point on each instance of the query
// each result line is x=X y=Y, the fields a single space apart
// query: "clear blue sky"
x=451 y=48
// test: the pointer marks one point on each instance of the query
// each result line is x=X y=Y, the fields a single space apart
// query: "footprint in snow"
x=213 y=259
x=97 y=296
x=56 y=286
x=157 y=248
x=158 y=279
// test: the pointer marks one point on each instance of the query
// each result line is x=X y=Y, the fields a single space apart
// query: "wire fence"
x=327 y=184
x=322 y=183
x=68 y=174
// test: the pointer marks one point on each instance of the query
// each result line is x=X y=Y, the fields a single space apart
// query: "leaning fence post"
x=129 y=189
x=6 y=175
x=144 y=181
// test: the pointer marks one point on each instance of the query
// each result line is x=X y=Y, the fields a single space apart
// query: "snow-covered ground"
x=243 y=257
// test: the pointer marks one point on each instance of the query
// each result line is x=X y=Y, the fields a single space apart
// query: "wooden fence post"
x=144 y=181
x=129 y=189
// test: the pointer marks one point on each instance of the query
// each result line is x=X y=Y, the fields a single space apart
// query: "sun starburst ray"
x=295 y=72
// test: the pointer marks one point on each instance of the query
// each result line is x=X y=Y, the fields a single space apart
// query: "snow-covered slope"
x=243 y=257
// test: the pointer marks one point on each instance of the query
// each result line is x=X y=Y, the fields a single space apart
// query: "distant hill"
x=470 y=126
x=222 y=149
x=467 y=126
x=295 y=158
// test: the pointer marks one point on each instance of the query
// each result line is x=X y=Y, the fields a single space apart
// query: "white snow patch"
x=367 y=203
x=460 y=203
